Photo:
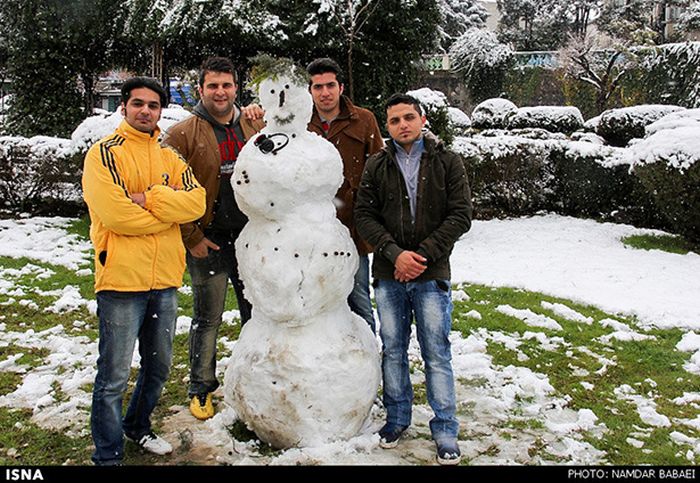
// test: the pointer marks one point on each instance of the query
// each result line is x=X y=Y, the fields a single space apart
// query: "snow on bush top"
x=104 y=123
x=458 y=118
x=493 y=113
x=552 y=118
x=430 y=100
x=690 y=117
x=679 y=148
x=619 y=126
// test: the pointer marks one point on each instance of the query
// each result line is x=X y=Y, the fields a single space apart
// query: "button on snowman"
x=305 y=369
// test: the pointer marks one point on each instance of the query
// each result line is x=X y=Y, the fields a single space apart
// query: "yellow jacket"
x=138 y=249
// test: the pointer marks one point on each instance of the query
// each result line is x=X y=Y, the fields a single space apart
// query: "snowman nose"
x=281 y=98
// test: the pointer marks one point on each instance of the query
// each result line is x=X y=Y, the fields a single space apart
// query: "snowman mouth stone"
x=284 y=120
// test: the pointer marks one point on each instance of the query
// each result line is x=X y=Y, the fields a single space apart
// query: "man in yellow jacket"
x=138 y=193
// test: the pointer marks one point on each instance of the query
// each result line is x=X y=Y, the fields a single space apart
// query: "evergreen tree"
x=458 y=16
x=629 y=22
x=533 y=24
x=43 y=72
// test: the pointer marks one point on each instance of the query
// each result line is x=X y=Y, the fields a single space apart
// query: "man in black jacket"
x=412 y=206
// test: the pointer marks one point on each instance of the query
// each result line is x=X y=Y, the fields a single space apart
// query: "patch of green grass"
x=667 y=243
x=633 y=363
x=34 y=446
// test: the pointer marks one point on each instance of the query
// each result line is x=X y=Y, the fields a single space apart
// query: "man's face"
x=142 y=110
x=218 y=93
x=326 y=92
x=404 y=124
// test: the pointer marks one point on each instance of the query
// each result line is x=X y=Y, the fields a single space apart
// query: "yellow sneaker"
x=201 y=406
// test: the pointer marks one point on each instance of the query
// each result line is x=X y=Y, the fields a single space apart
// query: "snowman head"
x=283 y=93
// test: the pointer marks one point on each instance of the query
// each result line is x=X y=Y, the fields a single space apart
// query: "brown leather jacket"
x=195 y=140
x=355 y=133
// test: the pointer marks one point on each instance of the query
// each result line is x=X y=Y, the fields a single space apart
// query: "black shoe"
x=448 y=452
x=390 y=434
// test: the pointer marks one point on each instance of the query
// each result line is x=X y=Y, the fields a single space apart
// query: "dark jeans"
x=210 y=278
x=125 y=317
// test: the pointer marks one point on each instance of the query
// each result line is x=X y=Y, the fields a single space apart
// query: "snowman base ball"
x=277 y=379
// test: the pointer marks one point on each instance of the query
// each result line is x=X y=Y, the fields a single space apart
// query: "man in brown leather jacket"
x=210 y=141
x=355 y=133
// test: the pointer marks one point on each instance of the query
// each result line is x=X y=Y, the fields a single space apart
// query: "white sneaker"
x=153 y=443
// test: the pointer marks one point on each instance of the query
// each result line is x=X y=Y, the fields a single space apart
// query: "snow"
x=291 y=390
x=678 y=148
x=431 y=100
x=538 y=115
x=583 y=261
x=493 y=112
x=586 y=262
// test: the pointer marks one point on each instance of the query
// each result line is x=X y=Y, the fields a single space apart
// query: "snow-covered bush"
x=668 y=164
x=619 y=126
x=458 y=120
x=593 y=181
x=564 y=119
x=42 y=174
x=493 y=114
x=509 y=175
x=37 y=173
x=435 y=106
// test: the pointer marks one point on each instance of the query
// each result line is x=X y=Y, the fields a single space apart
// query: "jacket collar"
x=129 y=132
x=347 y=111
x=431 y=143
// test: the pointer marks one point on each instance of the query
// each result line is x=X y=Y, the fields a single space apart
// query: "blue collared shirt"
x=409 y=164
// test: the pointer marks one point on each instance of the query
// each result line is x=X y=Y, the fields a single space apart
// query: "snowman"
x=305 y=369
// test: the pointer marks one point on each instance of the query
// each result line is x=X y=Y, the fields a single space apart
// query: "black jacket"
x=443 y=209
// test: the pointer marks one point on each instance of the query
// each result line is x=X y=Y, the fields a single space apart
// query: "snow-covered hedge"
x=619 y=126
x=37 y=173
x=509 y=175
x=591 y=180
x=668 y=164
x=43 y=174
x=564 y=119
x=493 y=114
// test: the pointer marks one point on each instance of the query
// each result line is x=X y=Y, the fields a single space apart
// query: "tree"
x=479 y=58
x=351 y=17
x=533 y=24
x=602 y=68
x=43 y=72
x=92 y=34
x=458 y=16
x=580 y=14
x=689 y=21
x=629 y=22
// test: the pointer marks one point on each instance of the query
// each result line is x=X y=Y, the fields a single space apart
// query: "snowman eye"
x=287 y=86
x=272 y=91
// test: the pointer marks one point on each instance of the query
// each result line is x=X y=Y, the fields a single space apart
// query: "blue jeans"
x=210 y=278
x=431 y=304
x=359 y=299
x=125 y=317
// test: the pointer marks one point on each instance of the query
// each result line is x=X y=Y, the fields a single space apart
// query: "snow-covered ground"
x=570 y=258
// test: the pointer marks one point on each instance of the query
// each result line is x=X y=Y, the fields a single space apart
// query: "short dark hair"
x=323 y=66
x=148 y=83
x=216 y=64
x=400 y=98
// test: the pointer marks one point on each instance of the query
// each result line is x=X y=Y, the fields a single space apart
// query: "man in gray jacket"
x=412 y=206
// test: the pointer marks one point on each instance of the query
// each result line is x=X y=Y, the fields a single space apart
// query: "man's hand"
x=139 y=199
x=409 y=265
x=253 y=112
x=201 y=249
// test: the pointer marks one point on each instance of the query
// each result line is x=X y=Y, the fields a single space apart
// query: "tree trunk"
x=351 y=86
x=89 y=96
